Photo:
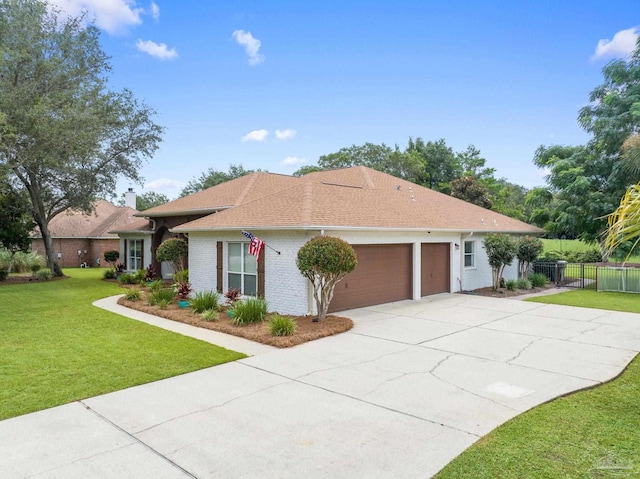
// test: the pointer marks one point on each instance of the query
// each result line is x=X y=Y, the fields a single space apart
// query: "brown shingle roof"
x=225 y=195
x=356 y=197
x=98 y=224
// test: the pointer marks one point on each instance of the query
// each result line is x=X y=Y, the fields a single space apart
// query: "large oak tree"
x=65 y=137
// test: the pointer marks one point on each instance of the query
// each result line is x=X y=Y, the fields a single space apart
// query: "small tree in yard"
x=173 y=250
x=324 y=261
x=501 y=249
x=111 y=257
x=529 y=248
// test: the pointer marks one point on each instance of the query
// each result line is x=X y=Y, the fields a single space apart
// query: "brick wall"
x=90 y=249
x=285 y=287
x=287 y=291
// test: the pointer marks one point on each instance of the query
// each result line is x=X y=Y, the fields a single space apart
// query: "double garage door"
x=384 y=274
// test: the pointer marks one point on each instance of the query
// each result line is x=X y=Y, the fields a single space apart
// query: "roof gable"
x=97 y=224
x=225 y=195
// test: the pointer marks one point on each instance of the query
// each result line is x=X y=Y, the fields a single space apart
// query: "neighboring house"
x=411 y=241
x=81 y=239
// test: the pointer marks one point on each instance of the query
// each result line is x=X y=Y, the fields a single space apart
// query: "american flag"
x=256 y=245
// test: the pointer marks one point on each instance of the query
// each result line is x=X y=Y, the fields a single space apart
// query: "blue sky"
x=276 y=84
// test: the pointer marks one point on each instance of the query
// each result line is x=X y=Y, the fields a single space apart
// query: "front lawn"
x=587 y=298
x=593 y=433
x=57 y=348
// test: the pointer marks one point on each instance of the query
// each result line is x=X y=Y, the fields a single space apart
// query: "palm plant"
x=624 y=222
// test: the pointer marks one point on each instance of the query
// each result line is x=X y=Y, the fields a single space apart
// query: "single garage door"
x=435 y=268
x=383 y=274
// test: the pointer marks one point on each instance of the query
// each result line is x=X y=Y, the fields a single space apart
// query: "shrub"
x=150 y=273
x=156 y=285
x=112 y=257
x=132 y=295
x=282 y=326
x=501 y=250
x=529 y=248
x=140 y=275
x=128 y=278
x=163 y=303
x=44 y=274
x=590 y=256
x=233 y=295
x=209 y=315
x=109 y=274
x=26 y=262
x=173 y=250
x=523 y=283
x=511 y=285
x=206 y=300
x=183 y=290
x=324 y=261
x=5 y=259
x=181 y=276
x=250 y=310
x=551 y=256
x=538 y=280
x=4 y=274
x=164 y=294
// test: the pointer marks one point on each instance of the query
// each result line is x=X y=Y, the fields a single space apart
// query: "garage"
x=383 y=275
x=435 y=270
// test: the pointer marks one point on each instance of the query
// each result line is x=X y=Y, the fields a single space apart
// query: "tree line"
x=66 y=137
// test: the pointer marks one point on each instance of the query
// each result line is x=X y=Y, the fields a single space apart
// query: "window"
x=134 y=255
x=469 y=254
x=242 y=268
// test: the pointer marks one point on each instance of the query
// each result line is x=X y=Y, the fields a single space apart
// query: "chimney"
x=130 y=198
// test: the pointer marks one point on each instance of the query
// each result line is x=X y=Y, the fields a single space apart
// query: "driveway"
x=410 y=387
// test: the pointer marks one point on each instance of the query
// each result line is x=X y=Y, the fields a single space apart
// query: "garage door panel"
x=435 y=268
x=383 y=274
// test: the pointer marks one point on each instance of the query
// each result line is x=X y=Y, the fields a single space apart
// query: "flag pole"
x=272 y=249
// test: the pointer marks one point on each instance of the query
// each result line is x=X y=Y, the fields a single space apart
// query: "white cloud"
x=113 y=16
x=164 y=184
x=251 y=46
x=256 y=135
x=293 y=161
x=155 y=11
x=622 y=44
x=157 y=50
x=285 y=134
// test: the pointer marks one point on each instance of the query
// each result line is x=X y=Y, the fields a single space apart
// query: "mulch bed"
x=306 y=330
x=505 y=293
x=22 y=279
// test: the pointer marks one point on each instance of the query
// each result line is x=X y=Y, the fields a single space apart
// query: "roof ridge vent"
x=343 y=185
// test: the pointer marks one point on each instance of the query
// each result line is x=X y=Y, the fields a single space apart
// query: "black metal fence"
x=590 y=276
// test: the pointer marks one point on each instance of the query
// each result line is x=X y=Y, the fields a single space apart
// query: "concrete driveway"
x=405 y=391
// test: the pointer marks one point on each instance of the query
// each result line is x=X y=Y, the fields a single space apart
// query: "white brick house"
x=411 y=241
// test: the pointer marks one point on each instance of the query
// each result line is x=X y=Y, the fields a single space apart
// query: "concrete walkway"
x=404 y=392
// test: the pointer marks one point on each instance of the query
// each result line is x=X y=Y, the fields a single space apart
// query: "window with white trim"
x=134 y=255
x=242 y=269
x=469 y=254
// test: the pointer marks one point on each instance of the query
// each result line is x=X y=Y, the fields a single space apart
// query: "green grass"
x=56 y=347
x=594 y=299
x=575 y=436
x=565 y=245
x=576 y=245
x=586 y=434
